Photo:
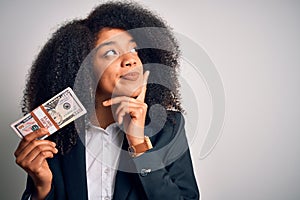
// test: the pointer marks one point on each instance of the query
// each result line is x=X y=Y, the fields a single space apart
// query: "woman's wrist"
x=132 y=140
x=41 y=192
x=42 y=189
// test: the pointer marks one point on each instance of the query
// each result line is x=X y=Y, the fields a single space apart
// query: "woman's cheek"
x=101 y=66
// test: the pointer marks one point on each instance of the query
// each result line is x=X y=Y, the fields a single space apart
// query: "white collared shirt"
x=103 y=147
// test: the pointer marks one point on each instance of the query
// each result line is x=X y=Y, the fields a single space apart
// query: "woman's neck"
x=103 y=115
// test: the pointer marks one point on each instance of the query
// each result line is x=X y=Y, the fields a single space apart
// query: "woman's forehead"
x=113 y=35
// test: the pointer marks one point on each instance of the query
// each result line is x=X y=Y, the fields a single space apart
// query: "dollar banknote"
x=54 y=114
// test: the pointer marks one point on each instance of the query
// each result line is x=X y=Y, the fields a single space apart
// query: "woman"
x=108 y=154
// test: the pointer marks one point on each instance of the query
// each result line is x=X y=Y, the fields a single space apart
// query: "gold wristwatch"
x=140 y=148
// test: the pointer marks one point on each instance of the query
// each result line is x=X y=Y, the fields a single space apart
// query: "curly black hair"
x=57 y=65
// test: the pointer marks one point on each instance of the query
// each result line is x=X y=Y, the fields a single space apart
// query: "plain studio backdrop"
x=255 y=47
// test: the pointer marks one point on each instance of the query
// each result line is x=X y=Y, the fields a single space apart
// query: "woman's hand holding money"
x=31 y=155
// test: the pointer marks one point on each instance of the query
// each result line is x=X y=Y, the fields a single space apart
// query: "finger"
x=32 y=145
x=121 y=118
x=38 y=161
x=126 y=108
x=117 y=100
x=28 y=163
x=121 y=111
x=34 y=148
x=127 y=104
x=134 y=112
x=38 y=150
x=142 y=95
x=28 y=138
x=36 y=134
x=122 y=106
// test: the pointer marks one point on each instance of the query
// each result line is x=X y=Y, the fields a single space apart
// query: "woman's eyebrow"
x=105 y=44
x=132 y=41
x=112 y=43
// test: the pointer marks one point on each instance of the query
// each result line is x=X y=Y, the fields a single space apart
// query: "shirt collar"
x=113 y=127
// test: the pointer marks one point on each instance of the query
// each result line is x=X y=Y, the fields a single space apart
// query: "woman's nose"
x=129 y=60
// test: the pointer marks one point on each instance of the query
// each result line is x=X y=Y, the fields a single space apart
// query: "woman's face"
x=118 y=64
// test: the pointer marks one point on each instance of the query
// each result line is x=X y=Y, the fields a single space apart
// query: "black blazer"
x=162 y=173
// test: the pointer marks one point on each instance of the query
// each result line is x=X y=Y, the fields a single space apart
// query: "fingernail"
x=106 y=103
x=53 y=143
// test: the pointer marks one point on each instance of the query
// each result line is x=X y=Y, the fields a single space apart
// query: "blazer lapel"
x=74 y=170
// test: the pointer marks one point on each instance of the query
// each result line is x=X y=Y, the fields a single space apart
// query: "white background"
x=254 y=45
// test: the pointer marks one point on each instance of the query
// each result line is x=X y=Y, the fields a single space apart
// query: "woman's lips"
x=131 y=76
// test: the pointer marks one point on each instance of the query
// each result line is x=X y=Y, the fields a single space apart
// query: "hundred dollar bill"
x=54 y=114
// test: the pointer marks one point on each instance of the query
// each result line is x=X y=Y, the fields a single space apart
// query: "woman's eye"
x=110 y=53
x=133 y=50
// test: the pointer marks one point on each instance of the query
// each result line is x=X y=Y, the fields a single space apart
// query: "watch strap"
x=146 y=145
x=140 y=148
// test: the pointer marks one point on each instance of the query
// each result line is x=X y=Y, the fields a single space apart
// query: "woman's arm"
x=166 y=171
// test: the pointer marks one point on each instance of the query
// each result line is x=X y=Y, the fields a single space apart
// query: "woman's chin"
x=128 y=93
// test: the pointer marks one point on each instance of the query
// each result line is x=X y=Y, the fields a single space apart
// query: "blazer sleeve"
x=30 y=190
x=166 y=171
